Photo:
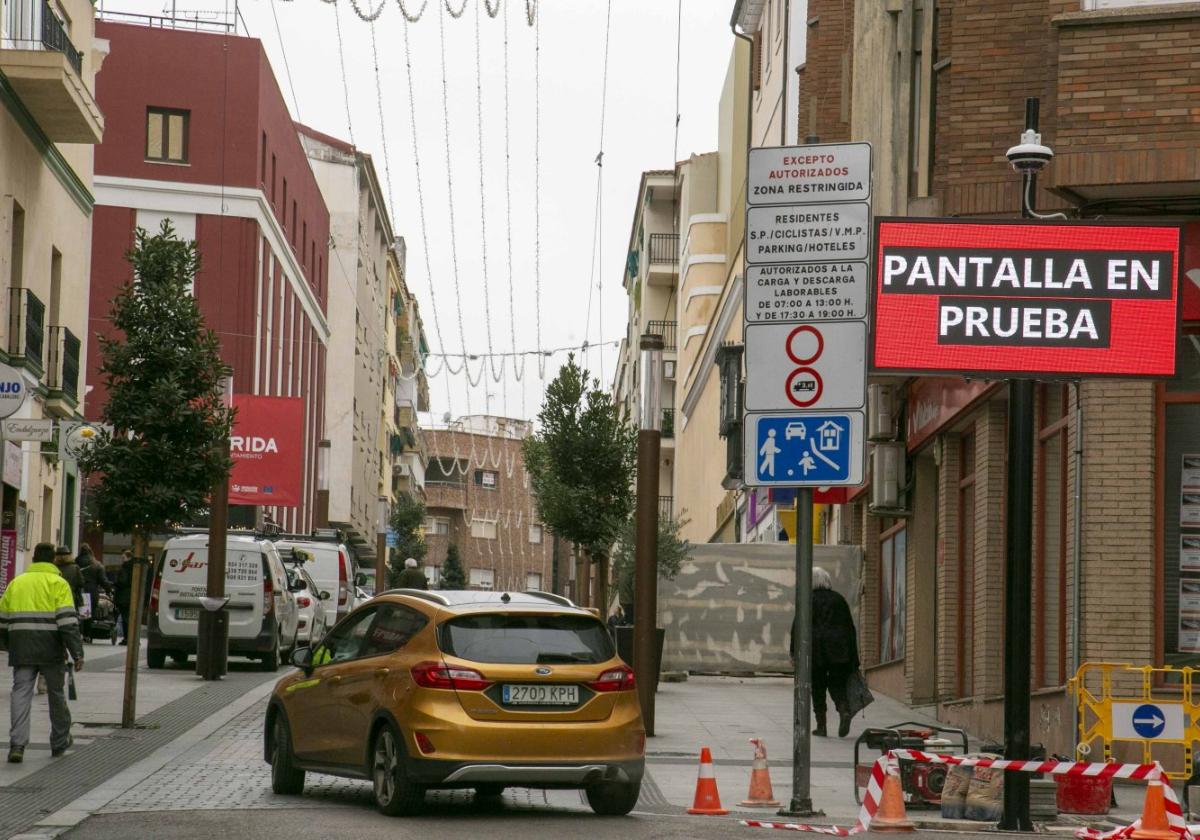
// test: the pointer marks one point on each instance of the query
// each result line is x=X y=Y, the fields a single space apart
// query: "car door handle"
x=382 y=672
x=335 y=680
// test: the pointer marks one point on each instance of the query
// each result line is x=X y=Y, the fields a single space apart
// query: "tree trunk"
x=602 y=596
x=133 y=630
x=581 y=580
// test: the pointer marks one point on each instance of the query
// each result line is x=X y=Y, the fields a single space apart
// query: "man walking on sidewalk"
x=38 y=627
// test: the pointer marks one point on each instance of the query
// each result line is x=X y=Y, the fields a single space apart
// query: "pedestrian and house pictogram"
x=805 y=450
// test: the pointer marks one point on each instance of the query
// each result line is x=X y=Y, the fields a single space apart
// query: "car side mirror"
x=324 y=595
x=302 y=659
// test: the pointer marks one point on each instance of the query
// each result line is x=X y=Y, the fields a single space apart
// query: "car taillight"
x=343 y=581
x=268 y=593
x=424 y=743
x=303 y=601
x=437 y=675
x=614 y=679
x=154 y=593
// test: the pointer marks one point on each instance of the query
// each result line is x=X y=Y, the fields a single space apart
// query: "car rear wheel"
x=286 y=778
x=613 y=799
x=269 y=661
x=156 y=658
x=394 y=794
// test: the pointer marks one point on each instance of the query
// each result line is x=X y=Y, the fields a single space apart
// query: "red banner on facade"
x=267 y=447
x=8 y=558
x=1026 y=299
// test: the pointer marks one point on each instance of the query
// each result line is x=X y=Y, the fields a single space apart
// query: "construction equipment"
x=921 y=783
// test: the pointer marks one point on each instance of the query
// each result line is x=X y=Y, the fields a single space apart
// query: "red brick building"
x=198 y=132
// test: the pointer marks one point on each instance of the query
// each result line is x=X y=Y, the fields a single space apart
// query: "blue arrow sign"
x=1148 y=720
x=803 y=449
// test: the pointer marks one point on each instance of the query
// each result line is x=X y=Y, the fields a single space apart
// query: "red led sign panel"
x=1025 y=299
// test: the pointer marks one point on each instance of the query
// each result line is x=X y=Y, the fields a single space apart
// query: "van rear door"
x=185 y=582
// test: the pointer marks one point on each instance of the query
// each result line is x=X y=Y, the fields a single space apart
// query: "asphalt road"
x=497 y=823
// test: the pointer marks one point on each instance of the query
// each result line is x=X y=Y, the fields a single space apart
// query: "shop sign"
x=12 y=464
x=40 y=431
x=935 y=402
x=8 y=557
x=12 y=390
x=1025 y=299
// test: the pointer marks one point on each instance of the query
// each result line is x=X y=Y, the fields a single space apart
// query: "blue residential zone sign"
x=804 y=449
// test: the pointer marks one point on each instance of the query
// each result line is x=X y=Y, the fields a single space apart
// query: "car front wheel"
x=394 y=794
x=613 y=799
x=286 y=778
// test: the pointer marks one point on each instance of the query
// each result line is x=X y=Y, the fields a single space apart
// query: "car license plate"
x=187 y=613
x=541 y=695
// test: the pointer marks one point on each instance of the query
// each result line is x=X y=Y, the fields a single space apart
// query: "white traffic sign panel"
x=801 y=174
x=1143 y=721
x=818 y=367
x=806 y=292
x=807 y=232
x=804 y=449
x=13 y=390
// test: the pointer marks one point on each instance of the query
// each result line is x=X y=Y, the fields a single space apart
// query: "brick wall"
x=826 y=78
x=949 y=643
x=991 y=464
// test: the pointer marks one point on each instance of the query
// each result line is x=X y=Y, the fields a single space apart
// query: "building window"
x=966 y=566
x=167 y=135
x=483 y=578
x=893 y=581
x=483 y=529
x=262 y=172
x=535 y=534
x=1050 y=541
x=533 y=582
x=437 y=526
x=486 y=479
x=433 y=575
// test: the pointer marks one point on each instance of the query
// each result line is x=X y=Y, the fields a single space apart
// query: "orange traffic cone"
x=760 y=795
x=1154 y=824
x=891 y=815
x=707 y=800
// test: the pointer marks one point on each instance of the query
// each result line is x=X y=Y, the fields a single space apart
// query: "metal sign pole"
x=801 y=804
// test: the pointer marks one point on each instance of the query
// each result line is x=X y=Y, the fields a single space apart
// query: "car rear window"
x=526 y=639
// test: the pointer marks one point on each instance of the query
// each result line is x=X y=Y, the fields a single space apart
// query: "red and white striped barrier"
x=887 y=764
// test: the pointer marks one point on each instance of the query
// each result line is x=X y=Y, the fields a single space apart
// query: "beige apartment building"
x=477 y=497
x=406 y=388
x=49 y=124
x=359 y=356
x=651 y=281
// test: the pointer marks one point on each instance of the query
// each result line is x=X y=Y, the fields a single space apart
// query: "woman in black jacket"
x=834 y=652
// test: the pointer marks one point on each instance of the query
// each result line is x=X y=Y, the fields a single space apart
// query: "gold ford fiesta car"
x=417 y=690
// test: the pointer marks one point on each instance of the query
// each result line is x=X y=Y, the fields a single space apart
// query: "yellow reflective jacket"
x=38 y=624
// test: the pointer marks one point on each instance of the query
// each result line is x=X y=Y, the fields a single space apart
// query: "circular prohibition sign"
x=804 y=380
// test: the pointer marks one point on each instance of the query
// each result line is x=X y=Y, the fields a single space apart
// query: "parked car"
x=263 y=621
x=330 y=566
x=312 y=625
x=451 y=689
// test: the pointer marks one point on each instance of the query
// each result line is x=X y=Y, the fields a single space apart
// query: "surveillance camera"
x=1029 y=156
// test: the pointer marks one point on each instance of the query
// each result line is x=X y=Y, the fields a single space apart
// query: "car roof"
x=201 y=540
x=471 y=600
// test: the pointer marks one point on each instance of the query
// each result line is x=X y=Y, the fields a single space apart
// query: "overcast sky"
x=638 y=135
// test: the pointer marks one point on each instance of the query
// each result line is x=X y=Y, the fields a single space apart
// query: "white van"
x=263 y=620
x=330 y=566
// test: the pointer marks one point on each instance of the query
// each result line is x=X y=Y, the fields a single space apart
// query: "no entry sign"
x=1013 y=299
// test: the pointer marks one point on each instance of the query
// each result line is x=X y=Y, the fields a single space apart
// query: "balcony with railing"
x=666 y=329
x=62 y=372
x=668 y=424
x=662 y=265
x=666 y=507
x=26 y=329
x=46 y=70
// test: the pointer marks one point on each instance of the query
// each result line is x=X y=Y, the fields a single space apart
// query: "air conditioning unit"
x=403 y=469
x=881 y=416
x=888 y=479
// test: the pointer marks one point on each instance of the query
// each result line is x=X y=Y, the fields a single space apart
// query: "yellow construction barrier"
x=1154 y=707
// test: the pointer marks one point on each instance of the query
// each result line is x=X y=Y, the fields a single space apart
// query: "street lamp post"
x=645 y=590
x=212 y=642
x=323 y=484
x=1019 y=531
x=382 y=515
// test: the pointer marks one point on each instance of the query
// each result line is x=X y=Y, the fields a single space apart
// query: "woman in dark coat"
x=834 y=652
